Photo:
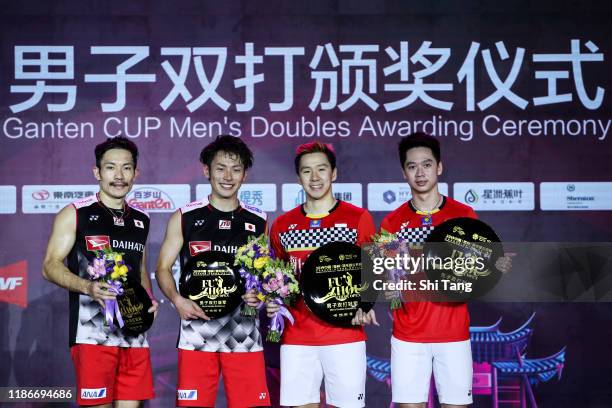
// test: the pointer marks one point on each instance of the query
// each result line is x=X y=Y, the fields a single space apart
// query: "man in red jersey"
x=429 y=336
x=311 y=348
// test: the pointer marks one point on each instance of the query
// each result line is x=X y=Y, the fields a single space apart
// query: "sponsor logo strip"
x=8 y=199
x=159 y=198
x=496 y=196
x=576 y=196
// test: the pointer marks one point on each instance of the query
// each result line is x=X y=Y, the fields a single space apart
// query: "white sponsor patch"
x=159 y=198
x=49 y=199
x=294 y=195
x=496 y=196
x=93 y=393
x=187 y=395
x=261 y=196
x=389 y=196
x=576 y=196
x=8 y=199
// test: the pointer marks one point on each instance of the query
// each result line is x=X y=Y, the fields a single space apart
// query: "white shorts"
x=342 y=365
x=413 y=363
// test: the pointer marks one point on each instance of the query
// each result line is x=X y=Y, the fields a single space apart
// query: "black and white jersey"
x=95 y=231
x=206 y=228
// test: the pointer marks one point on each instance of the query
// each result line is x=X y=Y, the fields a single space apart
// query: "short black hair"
x=314 y=147
x=119 y=142
x=418 y=139
x=228 y=144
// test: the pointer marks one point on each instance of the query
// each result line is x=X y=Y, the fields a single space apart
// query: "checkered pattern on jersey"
x=226 y=334
x=317 y=237
x=415 y=235
x=92 y=328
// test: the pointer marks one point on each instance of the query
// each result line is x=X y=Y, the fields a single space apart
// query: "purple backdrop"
x=517 y=93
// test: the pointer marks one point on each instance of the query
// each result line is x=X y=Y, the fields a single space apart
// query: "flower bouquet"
x=388 y=245
x=279 y=285
x=253 y=258
x=108 y=266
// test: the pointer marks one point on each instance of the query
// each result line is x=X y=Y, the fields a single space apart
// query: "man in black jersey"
x=111 y=368
x=230 y=344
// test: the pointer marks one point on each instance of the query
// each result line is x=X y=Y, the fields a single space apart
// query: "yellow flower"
x=261 y=297
x=118 y=258
x=261 y=262
x=114 y=275
x=123 y=270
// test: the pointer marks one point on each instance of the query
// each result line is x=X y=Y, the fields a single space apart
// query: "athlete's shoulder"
x=85 y=202
x=351 y=209
x=457 y=208
x=285 y=219
x=254 y=210
x=400 y=213
x=194 y=205
x=138 y=209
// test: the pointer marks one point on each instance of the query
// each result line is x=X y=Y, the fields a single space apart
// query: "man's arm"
x=365 y=231
x=145 y=281
x=170 y=249
x=62 y=240
x=279 y=253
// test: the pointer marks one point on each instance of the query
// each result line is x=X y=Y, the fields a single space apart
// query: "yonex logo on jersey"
x=360 y=397
x=198 y=223
x=225 y=224
x=97 y=242
x=292 y=226
x=94 y=217
x=249 y=227
x=139 y=224
x=315 y=223
x=197 y=247
x=262 y=395
x=187 y=395
x=404 y=225
x=93 y=393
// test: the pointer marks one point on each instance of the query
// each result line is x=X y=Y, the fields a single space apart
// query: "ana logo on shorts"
x=187 y=395
x=93 y=393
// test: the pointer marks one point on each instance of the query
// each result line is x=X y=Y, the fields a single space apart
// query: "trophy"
x=460 y=257
x=134 y=304
x=212 y=281
x=332 y=283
